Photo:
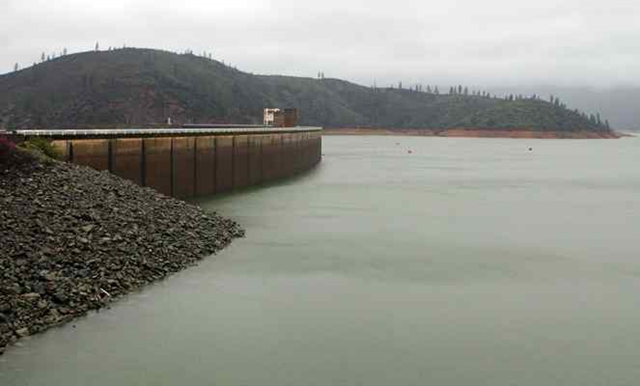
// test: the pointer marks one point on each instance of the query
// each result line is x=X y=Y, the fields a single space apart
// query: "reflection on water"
x=466 y=262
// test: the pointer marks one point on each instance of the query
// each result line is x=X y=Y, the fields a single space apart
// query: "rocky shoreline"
x=476 y=133
x=74 y=239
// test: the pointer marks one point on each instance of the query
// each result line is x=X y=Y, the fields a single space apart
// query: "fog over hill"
x=618 y=104
x=494 y=44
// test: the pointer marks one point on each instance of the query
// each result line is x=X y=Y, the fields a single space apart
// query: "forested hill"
x=142 y=86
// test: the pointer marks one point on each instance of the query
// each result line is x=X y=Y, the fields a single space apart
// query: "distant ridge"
x=144 y=86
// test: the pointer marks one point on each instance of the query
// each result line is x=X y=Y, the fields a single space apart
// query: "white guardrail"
x=142 y=131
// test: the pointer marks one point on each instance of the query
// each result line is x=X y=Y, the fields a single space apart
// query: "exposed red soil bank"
x=475 y=133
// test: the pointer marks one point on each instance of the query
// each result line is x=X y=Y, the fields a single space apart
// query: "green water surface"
x=464 y=262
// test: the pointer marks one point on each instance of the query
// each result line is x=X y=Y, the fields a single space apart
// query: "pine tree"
x=436 y=91
x=64 y=51
x=466 y=91
x=43 y=57
x=16 y=67
x=460 y=90
x=97 y=46
x=428 y=89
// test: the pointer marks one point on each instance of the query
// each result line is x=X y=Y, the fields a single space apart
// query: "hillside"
x=618 y=104
x=141 y=86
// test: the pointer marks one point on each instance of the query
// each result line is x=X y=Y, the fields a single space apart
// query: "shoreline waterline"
x=476 y=133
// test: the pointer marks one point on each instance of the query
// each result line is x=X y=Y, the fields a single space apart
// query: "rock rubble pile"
x=72 y=239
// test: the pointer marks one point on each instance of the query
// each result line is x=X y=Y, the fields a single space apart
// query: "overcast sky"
x=474 y=42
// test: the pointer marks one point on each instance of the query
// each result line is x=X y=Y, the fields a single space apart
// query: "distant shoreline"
x=476 y=133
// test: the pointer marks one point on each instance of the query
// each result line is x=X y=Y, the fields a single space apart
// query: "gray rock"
x=16 y=288
x=60 y=297
x=31 y=296
x=48 y=275
x=23 y=332
x=88 y=228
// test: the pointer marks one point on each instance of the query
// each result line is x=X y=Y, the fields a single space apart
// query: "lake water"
x=466 y=262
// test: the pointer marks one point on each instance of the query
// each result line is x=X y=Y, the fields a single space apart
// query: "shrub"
x=7 y=148
x=41 y=145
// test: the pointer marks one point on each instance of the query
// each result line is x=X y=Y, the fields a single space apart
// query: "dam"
x=191 y=161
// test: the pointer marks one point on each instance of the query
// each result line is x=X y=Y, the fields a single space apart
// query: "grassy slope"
x=139 y=86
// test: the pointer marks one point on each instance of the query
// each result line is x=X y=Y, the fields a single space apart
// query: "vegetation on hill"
x=142 y=86
x=618 y=103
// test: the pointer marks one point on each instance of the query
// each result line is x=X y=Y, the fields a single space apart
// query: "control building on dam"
x=192 y=160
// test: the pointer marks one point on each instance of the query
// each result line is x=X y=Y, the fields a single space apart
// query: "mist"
x=494 y=43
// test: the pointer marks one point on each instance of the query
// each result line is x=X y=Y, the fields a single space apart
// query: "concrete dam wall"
x=198 y=165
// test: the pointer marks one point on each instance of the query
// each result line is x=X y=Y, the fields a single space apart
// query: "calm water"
x=467 y=262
